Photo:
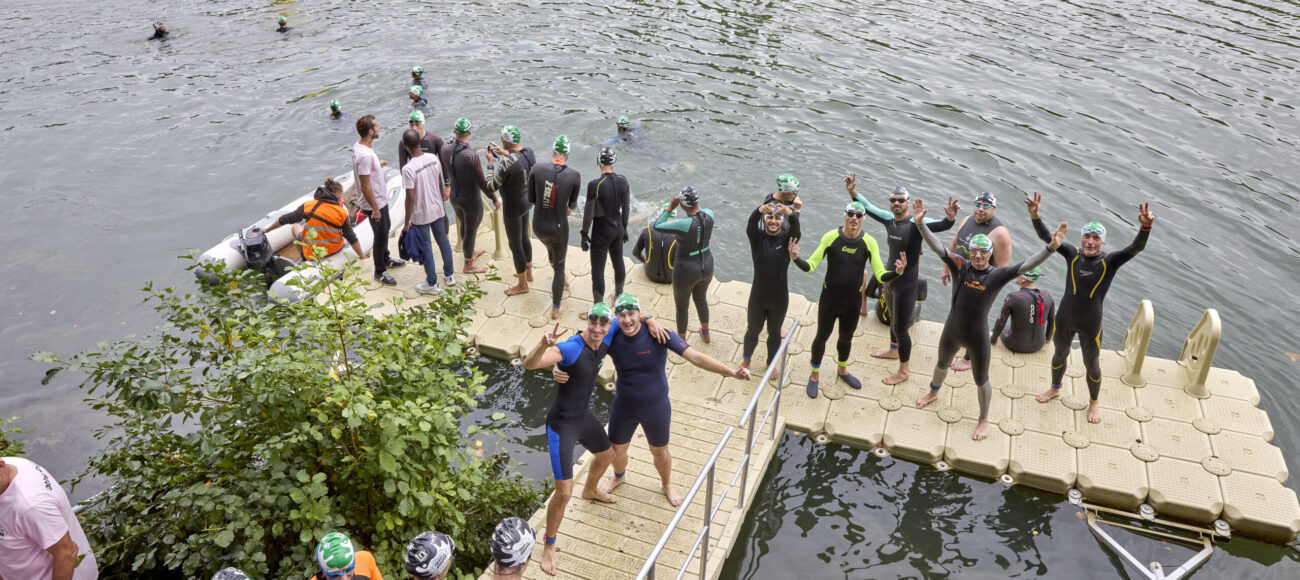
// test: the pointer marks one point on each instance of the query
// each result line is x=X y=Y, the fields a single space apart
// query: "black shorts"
x=562 y=435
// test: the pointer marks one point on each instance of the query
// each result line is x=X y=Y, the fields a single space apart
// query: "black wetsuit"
x=875 y=290
x=570 y=419
x=973 y=294
x=1086 y=282
x=510 y=178
x=899 y=296
x=693 y=270
x=553 y=191
x=655 y=250
x=769 y=296
x=846 y=260
x=464 y=176
x=430 y=143
x=1032 y=315
x=604 y=224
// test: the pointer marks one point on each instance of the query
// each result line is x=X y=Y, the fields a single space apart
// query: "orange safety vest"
x=327 y=220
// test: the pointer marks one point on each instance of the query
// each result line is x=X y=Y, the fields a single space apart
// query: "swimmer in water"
x=284 y=24
x=417 y=77
x=628 y=132
x=159 y=31
x=1091 y=272
x=336 y=109
x=418 y=102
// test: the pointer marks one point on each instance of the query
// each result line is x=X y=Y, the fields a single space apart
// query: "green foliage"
x=245 y=429
x=10 y=446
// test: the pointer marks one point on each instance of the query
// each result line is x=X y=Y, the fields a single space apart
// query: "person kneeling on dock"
x=641 y=392
x=975 y=286
x=1031 y=313
x=570 y=419
x=324 y=223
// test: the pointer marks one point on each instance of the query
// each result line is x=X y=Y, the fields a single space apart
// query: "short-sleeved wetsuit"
x=1032 y=315
x=846 y=260
x=769 y=297
x=570 y=419
x=463 y=173
x=604 y=224
x=641 y=391
x=553 y=190
x=1086 y=283
x=510 y=178
x=693 y=270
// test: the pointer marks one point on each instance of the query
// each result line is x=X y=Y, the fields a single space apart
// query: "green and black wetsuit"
x=693 y=269
x=846 y=260
x=769 y=297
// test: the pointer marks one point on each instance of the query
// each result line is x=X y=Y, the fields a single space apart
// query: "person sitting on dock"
x=769 y=296
x=983 y=220
x=508 y=167
x=338 y=559
x=428 y=556
x=1031 y=313
x=1092 y=270
x=570 y=420
x=847 y=252
x=694 y=270
x=321 y=222
x=975 y=287
x=641 y=390
x=604 y=224
x=512 y=545
x=553 y=190
x=655 y=250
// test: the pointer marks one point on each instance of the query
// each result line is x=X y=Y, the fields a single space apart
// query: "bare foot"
x=960 y=364
x=599 y=495
x=548 y=558
x=744 y=364
x=555 y=313
x=529 y=271
x=889 y=353
x=1048 y=395
x=899 y=377
x=930 y=396
x=704 y=335
x=783 y=333
x=674 y=498
x=516 y=290
x=611 y=484
x=1094 y=412
x=477 y=253
x=474 y=270
x=981 y=430
x=567 y=279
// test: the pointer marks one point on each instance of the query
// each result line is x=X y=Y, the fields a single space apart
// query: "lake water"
x=121 y=153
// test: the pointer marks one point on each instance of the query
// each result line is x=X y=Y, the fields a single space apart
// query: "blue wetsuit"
x=641 y=393
x=570 y=419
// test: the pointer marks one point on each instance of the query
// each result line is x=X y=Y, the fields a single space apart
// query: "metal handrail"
x=751 y=410
x=705 y=476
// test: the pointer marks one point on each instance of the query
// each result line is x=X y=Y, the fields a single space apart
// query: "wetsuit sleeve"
x=677 y=226
x=642 y=242
x=478 y=174
x=819 y=253
x=938 y=247
x=292 y=217
x=1006 y=274
x=532 y=186
x=796 y=232
x=1117 y=259
x=751 y=227
x=589 y=208
x=877 y=265
x=577 y=187
x=676 y=343
x=625 y=198
x=942 y=225
x=1003 y=316
x=1067 y=249
x=880 y=215
x=570 y=349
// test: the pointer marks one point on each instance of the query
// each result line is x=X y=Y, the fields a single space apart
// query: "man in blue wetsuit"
x=641 y=393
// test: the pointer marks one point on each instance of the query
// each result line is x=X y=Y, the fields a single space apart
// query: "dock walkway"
x=1178 y=435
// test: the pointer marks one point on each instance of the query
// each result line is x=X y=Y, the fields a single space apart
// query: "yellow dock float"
x=1179 y=440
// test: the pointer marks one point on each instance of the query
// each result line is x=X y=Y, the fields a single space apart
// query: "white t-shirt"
x=34 y=514
x=424 y=175
x=366 y=163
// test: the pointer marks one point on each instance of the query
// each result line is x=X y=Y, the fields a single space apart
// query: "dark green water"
x=119 y=154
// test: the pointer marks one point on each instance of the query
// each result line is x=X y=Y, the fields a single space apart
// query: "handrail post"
x=744 y=461
x=780 y=385
x=708 y=519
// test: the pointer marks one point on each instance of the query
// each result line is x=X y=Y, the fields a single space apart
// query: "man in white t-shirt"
x=422 y=180
x=373 y=200
x=39 y=535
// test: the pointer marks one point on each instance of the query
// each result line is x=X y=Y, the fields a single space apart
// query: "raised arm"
x=1147 y=219
x=752 y=230
x=918 y=214
x=546 y=352
x=851 y=186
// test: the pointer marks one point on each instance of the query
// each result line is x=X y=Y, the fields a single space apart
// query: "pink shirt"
x=34 y=514
x=424 y=175
x=365 y=164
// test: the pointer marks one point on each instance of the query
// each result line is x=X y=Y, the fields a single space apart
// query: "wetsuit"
x=604 y=225
x=553 y=191
x=693 y=271
x=769 y=297
x=430 y=143
x=510 y=178
x=422 y=105
x=846 y=260
x=631 y=135
x=973 y=294
x=1086 y=283
x=1032 y=315
x=641 y=390
x=570 y=419
x=656 y=252
x=463 y=174
x=969 y=230
x=875 y=290
x=899 y=296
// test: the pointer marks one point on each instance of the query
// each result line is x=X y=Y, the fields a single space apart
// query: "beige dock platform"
x=1179 y=435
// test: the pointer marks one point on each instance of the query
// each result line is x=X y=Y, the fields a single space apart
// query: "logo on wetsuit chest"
x=975 y=285
x=848 y=250
x=1085 y=272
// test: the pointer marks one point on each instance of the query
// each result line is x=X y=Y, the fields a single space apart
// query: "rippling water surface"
x=120 y=153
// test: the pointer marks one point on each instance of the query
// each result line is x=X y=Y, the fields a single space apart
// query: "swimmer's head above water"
x=336 y=107
x=624 y=123
x=417 y=71
x=415 y=92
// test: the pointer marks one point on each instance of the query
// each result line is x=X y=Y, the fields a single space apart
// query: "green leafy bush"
x=10 y=446
x=245 y=429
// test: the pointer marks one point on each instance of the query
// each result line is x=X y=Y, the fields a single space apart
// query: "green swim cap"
x=601 y=309
x=335 y=106
x=1033 y=275
x=282 y=20
x=511 y=134
x=417 y=70
x=561 y=145
x=625 y=302
x=463 y=126
x=981 y=241
x=334 y=553
x=623 y=121
x=1095 y=228
x=787 y=183
x=417 y=117
x=418 y=90
x=855 y=206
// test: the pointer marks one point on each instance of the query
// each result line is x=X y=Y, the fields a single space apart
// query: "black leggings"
x=974 y=335
x=521 y=249
x=600 y=250
x=900 y=301
x=691 y=279
x=830 y=310
x=1090 y=342
x=769 y=308
x=468 y=218
x=557 y=249
x=380 y=228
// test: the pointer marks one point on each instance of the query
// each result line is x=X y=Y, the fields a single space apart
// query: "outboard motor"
x=256 y=248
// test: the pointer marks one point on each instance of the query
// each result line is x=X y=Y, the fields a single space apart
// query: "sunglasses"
x=600 y=319
x=854 y=214
x=983 y=206
x=898 y=200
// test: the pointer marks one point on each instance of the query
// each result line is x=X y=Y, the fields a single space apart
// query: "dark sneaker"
x=386 y=279
x=851 y=380
x=396 y=263
x=812 y=388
